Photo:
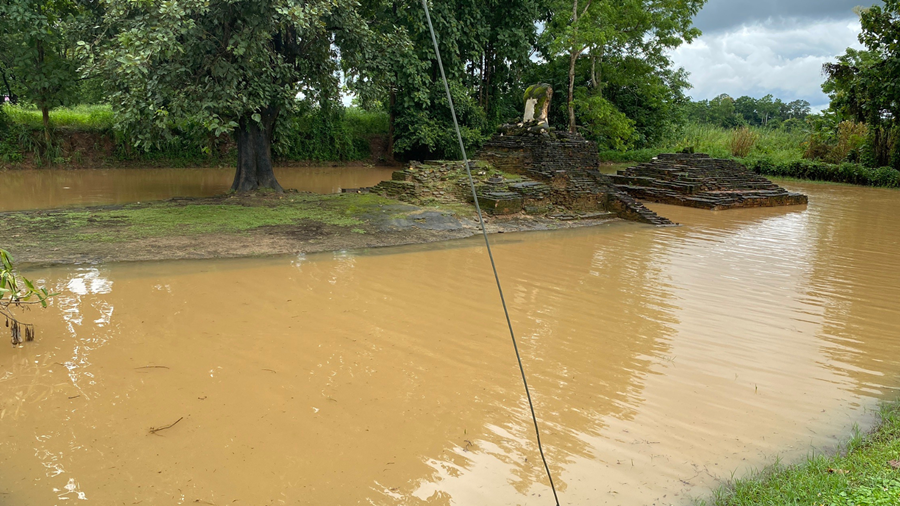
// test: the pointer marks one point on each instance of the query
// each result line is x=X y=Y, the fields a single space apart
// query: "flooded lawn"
x=661 y=361
x=46 y=189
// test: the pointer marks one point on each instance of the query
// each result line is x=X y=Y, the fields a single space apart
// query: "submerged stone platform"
x=696 y=180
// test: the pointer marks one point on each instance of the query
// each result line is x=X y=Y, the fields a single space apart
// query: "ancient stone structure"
x=696 y=180
x=563 y=163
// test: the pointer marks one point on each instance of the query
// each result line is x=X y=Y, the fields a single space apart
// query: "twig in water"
x=74 y=396
x=152 y=367
x=154 y=430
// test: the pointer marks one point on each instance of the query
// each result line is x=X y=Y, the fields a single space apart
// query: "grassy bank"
x=865 y=474
x=776 y=153
x=764 y=143
x=88 y=135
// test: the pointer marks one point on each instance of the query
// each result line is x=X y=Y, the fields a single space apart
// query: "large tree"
x=644 y=29
x=233 y=65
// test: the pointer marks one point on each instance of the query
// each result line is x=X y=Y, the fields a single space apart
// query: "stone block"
x=501 y=202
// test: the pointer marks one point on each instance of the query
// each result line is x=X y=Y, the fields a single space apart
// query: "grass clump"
x=742 y=141
x=866 y=474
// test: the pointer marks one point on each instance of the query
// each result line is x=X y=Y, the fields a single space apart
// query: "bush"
x=836 y=144
x=329 y=133
x=851 y=173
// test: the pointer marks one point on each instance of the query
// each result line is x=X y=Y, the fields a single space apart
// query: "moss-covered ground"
x=184 y=217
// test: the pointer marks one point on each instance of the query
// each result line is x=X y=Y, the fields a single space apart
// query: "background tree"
x=863 y=87
x=232 y=65
x=37 y=52
x=644 y=29
x=486 y=48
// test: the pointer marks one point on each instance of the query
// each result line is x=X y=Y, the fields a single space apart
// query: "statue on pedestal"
x=537 y=107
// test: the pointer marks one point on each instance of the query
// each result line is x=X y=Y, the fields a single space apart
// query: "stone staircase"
x=696 y=180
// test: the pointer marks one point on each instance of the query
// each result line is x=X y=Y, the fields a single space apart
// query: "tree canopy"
x=248 y=69
x=864 y=85
x=231 y=65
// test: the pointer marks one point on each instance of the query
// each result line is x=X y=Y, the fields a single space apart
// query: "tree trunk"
x=254 y=146
x=45 y=113
x=573 y=57
x=392 y=115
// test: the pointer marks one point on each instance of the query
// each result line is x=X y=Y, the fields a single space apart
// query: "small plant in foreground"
x=17 y=291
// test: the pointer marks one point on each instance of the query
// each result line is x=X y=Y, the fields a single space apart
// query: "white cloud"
x=783 y=58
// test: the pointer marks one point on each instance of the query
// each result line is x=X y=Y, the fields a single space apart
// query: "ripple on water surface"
x=661 y=361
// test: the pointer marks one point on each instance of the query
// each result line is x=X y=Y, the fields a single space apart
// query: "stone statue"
x=537 y=104
x=534 y=121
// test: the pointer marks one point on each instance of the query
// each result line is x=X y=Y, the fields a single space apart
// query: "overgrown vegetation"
x=864 y=474
x=777 y=145
x=310 y=133
x=852 y=173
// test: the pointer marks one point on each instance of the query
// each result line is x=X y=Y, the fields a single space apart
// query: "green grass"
x=80 y=117
x=862 y=475
x=774 y=145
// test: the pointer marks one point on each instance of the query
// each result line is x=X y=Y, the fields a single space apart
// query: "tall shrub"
x=742 y=141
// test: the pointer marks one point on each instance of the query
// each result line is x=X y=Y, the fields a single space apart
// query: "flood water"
x=45 y=189
x=661 y=361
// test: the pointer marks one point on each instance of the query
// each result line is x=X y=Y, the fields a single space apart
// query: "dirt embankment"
x=241 y=226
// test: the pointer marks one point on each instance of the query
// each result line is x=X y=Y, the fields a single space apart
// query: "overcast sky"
x=757 y=47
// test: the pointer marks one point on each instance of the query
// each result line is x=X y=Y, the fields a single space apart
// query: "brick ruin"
x=696 y=180
x=567 y=164
x=528 y=167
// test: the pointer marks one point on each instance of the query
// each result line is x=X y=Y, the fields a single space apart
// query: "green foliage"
x=17 y=291
x=37 y=49
x=604 y=29
x=726 y=112
x=862 y=83
x=217 y=63
x=326 y=133
x=427 y=132
x=851 y=173
x=637 y=155
x=742 y=141
x=863 y=476
x=604 y=123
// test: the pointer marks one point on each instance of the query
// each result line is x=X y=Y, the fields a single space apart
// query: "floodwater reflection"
x=52 y=188
x=661 y=360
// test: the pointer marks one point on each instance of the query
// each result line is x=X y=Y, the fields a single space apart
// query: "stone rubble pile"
x=696 y=180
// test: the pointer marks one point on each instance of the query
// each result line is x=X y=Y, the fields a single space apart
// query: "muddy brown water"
x=45 y=189
x=661 y=361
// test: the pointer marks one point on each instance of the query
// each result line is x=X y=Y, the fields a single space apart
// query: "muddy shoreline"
x=237 y=226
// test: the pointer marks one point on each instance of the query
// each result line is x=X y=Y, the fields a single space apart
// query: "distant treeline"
x=768 y=111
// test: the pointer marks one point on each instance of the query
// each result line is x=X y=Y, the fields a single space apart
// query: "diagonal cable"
x=487 y=243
